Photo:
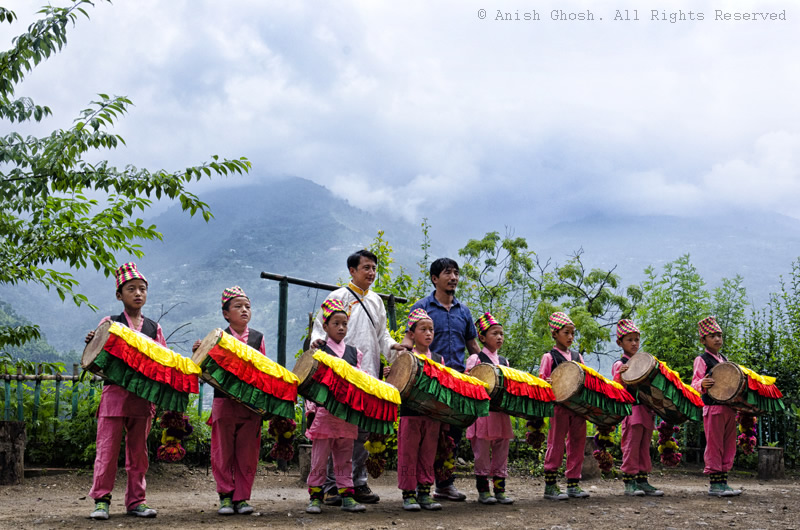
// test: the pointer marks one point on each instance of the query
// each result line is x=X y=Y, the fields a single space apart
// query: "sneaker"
x=243 y=508
x=484 y=497
x=332 y=499
x=449 y=493
x=315 y=506
x=576 y=492
x=632 y=490
x=226 y=506
x=349 y=504
x=100 y=510
x=502 y=498
x=143 y=510
x=716 y=490
x=427 y=503
x=553 y=493
x=648 y=489
x=364 y=495
x=727 y=491
x=410 y=504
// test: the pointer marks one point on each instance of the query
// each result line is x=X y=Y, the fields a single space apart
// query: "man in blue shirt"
x=453 y=332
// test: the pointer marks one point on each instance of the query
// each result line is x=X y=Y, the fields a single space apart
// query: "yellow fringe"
x=523 y=377
x=678 y=377
x=763 y=379
x=597 y=375
x=457 y=375
x=255 y=358
x=155 y=351
x=362 y=380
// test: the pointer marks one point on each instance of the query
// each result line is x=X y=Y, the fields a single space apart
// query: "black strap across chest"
x=483 y=358
x=558 y=358
x=350 y=354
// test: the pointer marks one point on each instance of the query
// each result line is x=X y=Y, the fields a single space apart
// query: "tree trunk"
x=304 y=456
x=590 y=468
x=770 y=463
x=12 y=452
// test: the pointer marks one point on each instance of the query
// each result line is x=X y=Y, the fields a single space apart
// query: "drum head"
x=96 y=345
x=639 y=368
x=206 y=344
x=567 y=380
x=728 y=381
x=403 y=373
x=305 y=366
x=486 y=373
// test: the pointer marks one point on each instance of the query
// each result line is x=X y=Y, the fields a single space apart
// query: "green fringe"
x=454 y=400
x=319 y=394
x=163 y=395
x=523 y=407
x=671 y=392
x=248 y=394
x=763 y=404
x=604 y=403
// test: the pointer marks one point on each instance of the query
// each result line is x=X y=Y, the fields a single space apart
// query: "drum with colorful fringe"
x=141 y=366
x=743 y=389
x=435 y=390
x=245 y=375
x=514 y=392
x=587 y=393
x=660 y=389
x=347 y=392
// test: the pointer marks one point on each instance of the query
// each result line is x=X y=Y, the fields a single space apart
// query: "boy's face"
x=712 y=342
x=238 y=313
x=133 y=294
x=564 y=337
x=629 y=344
x=364 y=274
x=423 y=333
x=493 y=339
x=336 y=326
x=447 y=280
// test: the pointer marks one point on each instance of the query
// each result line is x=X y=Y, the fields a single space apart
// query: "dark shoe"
x=332 y=499
x=364 y=495
x=242 y=508
x=449 y=493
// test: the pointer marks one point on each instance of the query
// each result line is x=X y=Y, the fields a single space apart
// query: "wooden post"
x=590 y=468
x=12 y=452
x=37 y=393
x=304 y=457
x=770 y=463
x=283 y=311
x=20 y=396
x=200 y=398
x=7 y=386
x=74 y=391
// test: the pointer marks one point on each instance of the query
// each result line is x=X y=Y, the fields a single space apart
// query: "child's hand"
x=195 y=346
x=317 y=344
x=89 y=336
x=623 y=368
x=386 y=370
x=398 y=348
x=707 y=382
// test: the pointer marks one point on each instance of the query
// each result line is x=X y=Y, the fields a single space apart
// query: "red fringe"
x=671 y=377
x=149 y=368
x=596 y=384
x=539 y=393
x=355 y=398
x=768 y=391
x=251 y=375
x=458 y=386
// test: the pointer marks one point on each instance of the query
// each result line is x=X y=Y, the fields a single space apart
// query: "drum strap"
x=624 y=360
x=149 y=327
x=486 y=360
x=558 y=358
x=711 y=362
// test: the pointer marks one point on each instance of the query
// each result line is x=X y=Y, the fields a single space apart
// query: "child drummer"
x=490 y=434
x=637 y=429
x=121 y=410
x=564 y=423
x=719 y=421
x=235 y=429
x=331 y=435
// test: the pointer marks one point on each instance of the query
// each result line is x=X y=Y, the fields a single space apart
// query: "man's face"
x=364 y=274
x=447 y=280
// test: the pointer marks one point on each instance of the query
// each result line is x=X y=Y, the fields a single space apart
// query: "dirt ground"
x=186 y=498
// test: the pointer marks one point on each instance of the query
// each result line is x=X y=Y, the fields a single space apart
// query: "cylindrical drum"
x=590 y=395
x=242 y=373
x=514 y=392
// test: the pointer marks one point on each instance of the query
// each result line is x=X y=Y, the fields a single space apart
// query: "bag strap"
x=363 y=306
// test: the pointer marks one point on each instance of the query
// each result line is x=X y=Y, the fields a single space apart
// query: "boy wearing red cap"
x=719 y=421
x=331 y=435
x=235 y=429
x=491 y=434
x=564 y=423
x=122 y=411
x=637 y=429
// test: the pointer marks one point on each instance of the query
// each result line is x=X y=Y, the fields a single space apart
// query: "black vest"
x=254 y=341
x=350 y=354
x=711 y=362
x=149 y=328
x=484 y=359
x=405 y=410
x=558 y=358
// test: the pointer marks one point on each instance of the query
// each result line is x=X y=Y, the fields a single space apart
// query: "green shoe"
x=632 y=490
x=143 y=510
x=716 y=489
x=484 y=497
x=100 y=510
x=426 y=502
x=648 y=489
x=554 y=494
x=576 y=492
x=225 y=506
x=502 y=498
x=727 y=491
x=315 y=506
x=410 y=504
x=243 y=508
x=349 y=504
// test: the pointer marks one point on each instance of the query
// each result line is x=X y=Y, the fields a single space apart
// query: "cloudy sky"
x=423 y=108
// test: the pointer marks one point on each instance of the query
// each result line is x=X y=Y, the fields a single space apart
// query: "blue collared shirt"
x=451 y=329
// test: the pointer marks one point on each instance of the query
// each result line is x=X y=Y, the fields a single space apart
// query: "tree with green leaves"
x=59 y=209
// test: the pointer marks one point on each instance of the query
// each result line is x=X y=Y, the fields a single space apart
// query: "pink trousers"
x=497 y=464
x=565 y=424
x=417 y=439
x=235 y=448
x=720 y=428
x=635 y=442
x=109 y=438
x=342 y=451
